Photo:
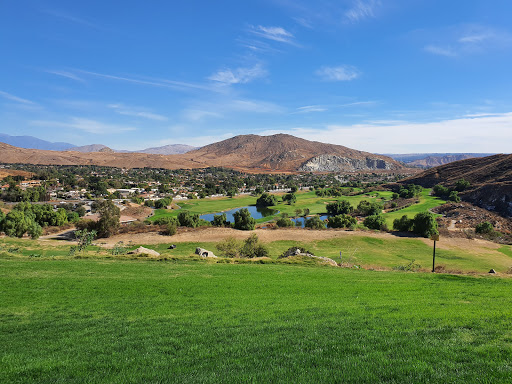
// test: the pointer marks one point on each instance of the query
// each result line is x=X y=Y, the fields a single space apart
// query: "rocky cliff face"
x=333 y=163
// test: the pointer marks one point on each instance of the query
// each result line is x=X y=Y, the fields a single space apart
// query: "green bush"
x=341 y=221
x=292 y=251
x=284 y=222
x=484 y=228
x=314 y=223
x=339 y=207
x=404 y=224
x=266 y=200
x=375 y=222
x=243 y=220
x=425 y=224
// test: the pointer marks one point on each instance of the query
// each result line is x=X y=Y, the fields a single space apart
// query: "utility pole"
x=435 y=238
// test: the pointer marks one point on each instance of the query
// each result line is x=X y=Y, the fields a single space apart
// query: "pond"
x=301 y=220
x=256 y=212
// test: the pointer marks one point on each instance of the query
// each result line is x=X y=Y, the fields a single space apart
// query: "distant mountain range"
x=31 y=142
x=429 y=160
x=283 y=153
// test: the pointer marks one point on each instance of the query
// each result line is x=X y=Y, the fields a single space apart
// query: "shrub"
x=375 y=222
x=220 y=220
x=186 y=219
x=404 y=224
x=366 y=208
x=484 y=228
x=243 y=220
x=314 y=223
x=462 y=185
x=339 y=207
x=165 y=220
x=171 y=229
x=454 y=196
x=284 y=222
x=425 y=224
x=229 y=247
x=341 y=221
x=252 y=247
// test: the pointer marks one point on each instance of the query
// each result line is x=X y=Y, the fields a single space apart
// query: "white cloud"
x=17 y=99
x=310 y=108
x=226 y=107
x=361 y=9
x=238 y=75
x=442 y=51
x=340 y=73
x=86 y=125
x=161 y=83
x=273 y=33
x=136 y=112
x=67 y=75
x=487 y=134
x=464 y=39
x=73 y=19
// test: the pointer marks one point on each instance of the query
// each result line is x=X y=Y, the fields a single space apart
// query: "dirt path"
x=208 y=234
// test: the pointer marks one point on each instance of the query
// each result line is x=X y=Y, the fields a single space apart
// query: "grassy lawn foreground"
x=92 y=321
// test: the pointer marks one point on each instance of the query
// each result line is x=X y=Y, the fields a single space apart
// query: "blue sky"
x=386 y=76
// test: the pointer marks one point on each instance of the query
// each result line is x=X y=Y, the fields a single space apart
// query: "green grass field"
x=90 y=321
x=316 y=205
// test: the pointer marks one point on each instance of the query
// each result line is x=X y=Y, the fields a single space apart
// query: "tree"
x=243 y=220
x=186 y=219
x=375 y=222
x=315 y=223
x=266 y=200
x=425 y=224
x=366 y=208
x=108 y=224
x=290 y=198
x=298 y=212
x=219 y=220
x=341 y=221
x=404 y=224
x=305 y=212
x=339 y=207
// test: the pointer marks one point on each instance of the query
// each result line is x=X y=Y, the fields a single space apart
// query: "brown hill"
x=435 y=161
x=288 y=153
x=490 y=178
x=283 y=153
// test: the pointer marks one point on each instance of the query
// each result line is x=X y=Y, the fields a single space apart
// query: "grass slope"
x=89 y=321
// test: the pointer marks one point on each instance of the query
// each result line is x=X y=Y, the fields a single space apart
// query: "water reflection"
x=256 y=212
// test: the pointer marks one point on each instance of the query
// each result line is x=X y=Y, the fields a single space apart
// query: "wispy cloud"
x=71 y=18
x=136 y=112
x=85 y=125
x=161 y=83
x=465 y=39
x=273 y=33
x=238 y=75
x=361 y=9
x=442 y=51
x=227 y=107
x=339 y=73
x=67 y=75
x=17 y=99
x=310 y=108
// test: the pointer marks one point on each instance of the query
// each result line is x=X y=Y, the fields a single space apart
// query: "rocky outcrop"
x=204 y=253
x=333 y=163
x=144 y=251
